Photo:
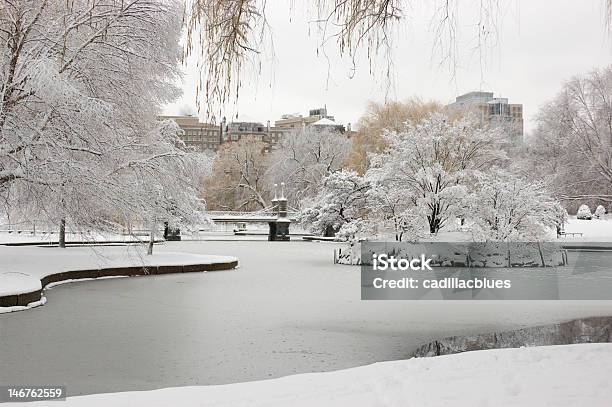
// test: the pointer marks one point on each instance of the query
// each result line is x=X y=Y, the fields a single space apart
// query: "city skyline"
x=574 y=40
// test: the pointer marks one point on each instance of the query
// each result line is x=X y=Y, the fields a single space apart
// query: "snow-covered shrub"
x=340 y=200
x=600 y=212
x=507 y=207
x=584 y=212
x=354 y=231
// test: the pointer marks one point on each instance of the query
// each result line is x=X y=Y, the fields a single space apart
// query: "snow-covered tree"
x=303 y=157
x=341 y=200
x=600 y=212
x=505 y=207
x=575 y=134
x=584 y=212
x=161 y=183
x=432 y=162
x=81 y=84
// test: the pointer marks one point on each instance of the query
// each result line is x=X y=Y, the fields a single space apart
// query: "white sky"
x=540 y=43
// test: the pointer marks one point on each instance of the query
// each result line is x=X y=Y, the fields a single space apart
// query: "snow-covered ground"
x=22 y=268
x=12 y=283
x=594 y=230
x=569 y=375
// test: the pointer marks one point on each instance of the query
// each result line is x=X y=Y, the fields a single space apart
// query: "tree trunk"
x=432 y=225
x=329 y=231
x=151 y=239
x=62 y=234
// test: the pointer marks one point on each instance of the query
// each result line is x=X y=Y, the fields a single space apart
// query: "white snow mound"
x=570 y=375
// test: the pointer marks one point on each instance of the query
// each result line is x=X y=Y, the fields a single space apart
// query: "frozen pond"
x=286 y=310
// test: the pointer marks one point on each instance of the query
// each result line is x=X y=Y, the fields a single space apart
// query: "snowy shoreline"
x=569 y=375
x=26 y=271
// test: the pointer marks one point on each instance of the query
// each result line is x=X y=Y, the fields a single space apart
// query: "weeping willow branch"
x=226 y=35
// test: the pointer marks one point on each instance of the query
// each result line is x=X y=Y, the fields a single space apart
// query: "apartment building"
x=198 y=135
x=209 y=137
x=236 y=130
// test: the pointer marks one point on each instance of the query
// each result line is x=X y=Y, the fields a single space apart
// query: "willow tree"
x=381 y=117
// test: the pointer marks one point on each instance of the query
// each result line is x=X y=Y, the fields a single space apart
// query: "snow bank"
x=12 y=283
x=570 y=375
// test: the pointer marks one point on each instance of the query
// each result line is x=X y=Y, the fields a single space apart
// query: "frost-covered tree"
x=303 y=157
x=506 y=207
x=575 y=134
x=81 y=84
x=160 y=182
x=341 y=200
x=600 y=212
x=433 y=161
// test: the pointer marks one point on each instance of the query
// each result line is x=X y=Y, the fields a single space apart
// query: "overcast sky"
x=540 y=43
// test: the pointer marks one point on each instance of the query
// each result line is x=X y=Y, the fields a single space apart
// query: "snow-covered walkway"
x=570 y=375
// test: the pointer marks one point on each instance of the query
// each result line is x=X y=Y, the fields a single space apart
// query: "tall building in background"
x=495 y=112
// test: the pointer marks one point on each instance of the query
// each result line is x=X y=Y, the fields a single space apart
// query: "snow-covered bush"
x=340 y=200
x=584 y=212
x=600 y=212
x=506 y=207
x=354 y=231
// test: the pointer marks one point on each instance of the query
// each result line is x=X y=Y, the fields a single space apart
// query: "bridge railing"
x=245 y=215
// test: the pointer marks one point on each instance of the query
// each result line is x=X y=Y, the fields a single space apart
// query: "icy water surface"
x=286 y=310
